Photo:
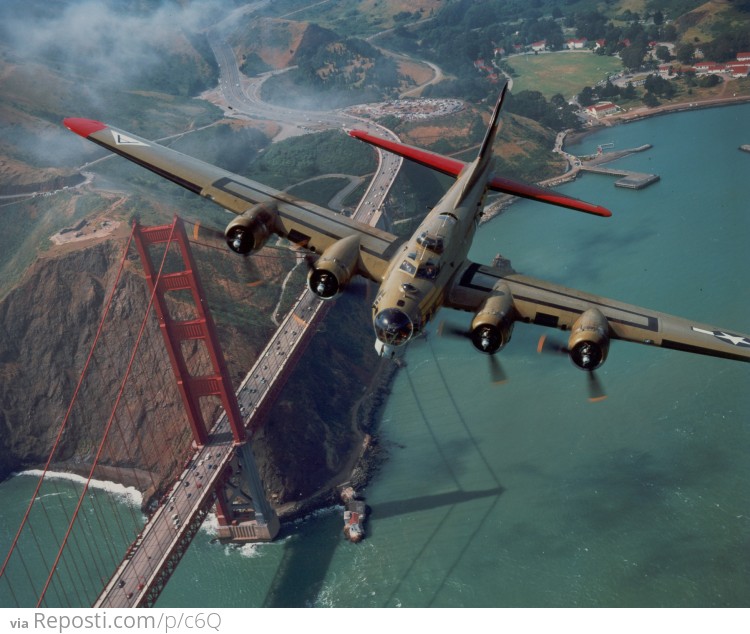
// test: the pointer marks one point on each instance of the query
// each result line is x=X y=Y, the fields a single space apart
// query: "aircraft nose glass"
x=393 y=327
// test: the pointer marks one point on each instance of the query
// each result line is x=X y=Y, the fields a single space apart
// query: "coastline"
x=133 y=496
x=366 y=456
x=569 y=137
x=640 y=114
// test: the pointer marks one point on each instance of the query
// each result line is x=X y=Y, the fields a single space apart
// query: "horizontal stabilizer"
x=452 y=167
x=544 y=195
x=433 y=160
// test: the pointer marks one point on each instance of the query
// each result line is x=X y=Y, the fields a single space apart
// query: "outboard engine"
x=588 y=344
x=249 y=231
x=492 y=326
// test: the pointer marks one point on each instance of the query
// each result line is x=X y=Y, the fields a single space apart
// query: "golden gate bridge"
x=188 y=460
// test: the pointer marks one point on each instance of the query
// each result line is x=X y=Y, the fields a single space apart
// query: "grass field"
x=566 y=73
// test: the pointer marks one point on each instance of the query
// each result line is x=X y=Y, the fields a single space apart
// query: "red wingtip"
x=84 y=127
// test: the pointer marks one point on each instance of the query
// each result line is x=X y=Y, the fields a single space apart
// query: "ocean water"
x=526 y=494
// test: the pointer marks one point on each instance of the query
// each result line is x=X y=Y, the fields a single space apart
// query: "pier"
x=628 y=179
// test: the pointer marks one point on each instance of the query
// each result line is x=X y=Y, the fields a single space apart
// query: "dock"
x=628 y=179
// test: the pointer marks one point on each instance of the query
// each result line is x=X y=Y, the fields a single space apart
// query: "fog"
x=105 y=43
x=96 y=51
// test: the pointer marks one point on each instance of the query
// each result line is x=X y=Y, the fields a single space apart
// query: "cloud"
x=105 y=43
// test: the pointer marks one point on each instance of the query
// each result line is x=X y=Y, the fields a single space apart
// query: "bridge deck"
x=157 y=550
x=192 y=495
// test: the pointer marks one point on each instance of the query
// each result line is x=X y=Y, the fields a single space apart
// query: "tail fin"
x=480 y=167
x=485 y=152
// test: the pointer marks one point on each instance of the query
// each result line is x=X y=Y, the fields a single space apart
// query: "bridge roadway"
x=168 y=532
x=173 y=524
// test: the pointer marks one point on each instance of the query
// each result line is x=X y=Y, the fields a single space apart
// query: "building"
x=576 y=44
x=738 y=69
x=703 y=68
x=602 y=109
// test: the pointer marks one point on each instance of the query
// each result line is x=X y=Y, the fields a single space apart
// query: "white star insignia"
x=735 y=340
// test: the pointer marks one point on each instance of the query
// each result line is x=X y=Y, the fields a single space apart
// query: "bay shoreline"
x=366 y=467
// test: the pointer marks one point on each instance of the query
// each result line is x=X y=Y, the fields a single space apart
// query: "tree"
x=662 y=53
x=669 y=33
x=609 y=91
x=650 y=100
x=558 y=101
x=586 y=97
x=685 y=52
x=709 y=81
x=632 y=56
x=629 y=91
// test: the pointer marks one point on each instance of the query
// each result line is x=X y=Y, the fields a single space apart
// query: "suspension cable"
x=112 y=416
x=70 y=408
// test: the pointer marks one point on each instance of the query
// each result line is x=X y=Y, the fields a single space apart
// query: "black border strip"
x=652 y=323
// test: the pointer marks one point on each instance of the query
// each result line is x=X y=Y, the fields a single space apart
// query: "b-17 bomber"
x=419 y=275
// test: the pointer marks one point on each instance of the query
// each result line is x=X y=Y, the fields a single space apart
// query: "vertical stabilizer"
x=485 y=152
x=480 y=166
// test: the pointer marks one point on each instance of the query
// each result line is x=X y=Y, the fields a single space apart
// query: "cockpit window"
x=431 y=241
x=408 y=267
x=428 y=271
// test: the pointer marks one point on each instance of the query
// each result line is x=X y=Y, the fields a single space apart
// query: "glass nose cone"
x=393 y=327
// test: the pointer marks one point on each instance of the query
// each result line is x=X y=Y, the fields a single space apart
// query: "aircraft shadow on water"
x=419 y=275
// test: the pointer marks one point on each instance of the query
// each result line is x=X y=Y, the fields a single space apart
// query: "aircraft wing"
x=546 y=304
x=303 y=223
x=452 y=167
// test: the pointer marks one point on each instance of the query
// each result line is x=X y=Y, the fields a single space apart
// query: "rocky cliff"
x=48 y=324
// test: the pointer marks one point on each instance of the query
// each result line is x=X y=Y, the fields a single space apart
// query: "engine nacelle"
x=249 y=231
x=589 y=340
x=492 y=326
x=333 y=270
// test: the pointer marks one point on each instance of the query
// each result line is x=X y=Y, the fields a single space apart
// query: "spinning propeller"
x=595 y=388
x=497 y=373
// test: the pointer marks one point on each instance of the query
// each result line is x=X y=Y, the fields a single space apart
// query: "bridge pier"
x=246 y=515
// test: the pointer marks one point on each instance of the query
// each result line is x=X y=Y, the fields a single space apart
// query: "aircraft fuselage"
x=414 y=284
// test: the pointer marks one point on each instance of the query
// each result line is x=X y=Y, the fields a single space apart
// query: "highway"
x=242 y=94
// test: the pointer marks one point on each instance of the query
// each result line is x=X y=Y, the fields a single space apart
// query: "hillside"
x=44 y=350
x=123 y=69
x=361 y=19
x=325 y=69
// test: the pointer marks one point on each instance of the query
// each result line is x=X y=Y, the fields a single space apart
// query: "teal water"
x=526 y=494
x=109 y=519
